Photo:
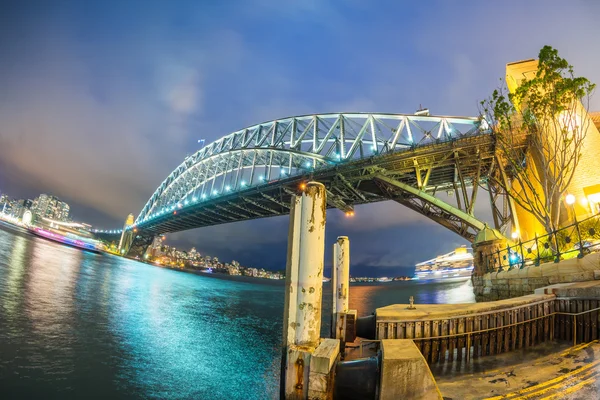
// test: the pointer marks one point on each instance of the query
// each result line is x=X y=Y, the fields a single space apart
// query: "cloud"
x=99 y=103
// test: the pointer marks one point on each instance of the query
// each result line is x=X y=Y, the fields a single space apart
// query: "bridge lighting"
x=174 y=212
x=186 y=202
x=261 y=178
x=243 y=183
x=215 y=193
x=302 y=186
x=515 y=235
x=179 y=205
x=228 y=188
x=195 y=199
x=570 y=199
x=308 y=164
x=203 y=196
x=349 y=213
x=282 y=171
x=338 y=156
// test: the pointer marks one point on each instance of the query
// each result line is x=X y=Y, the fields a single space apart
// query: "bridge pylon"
x=303 y=290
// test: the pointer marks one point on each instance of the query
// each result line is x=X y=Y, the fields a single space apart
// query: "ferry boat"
x=456 y=265
x=67 y=239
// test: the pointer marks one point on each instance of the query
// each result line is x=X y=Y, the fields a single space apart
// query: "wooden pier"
x=448 y=333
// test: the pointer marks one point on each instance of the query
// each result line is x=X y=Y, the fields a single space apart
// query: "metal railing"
x=576 y=240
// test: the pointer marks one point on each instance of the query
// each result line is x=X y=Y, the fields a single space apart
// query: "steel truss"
x=296 y=146
x=360 y=158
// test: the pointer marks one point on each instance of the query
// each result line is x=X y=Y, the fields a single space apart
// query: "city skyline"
x=43 y=206
x=113 y=126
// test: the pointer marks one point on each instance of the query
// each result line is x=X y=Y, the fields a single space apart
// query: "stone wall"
x=521 y=282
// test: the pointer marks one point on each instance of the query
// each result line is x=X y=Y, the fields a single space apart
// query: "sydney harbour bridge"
x=359 y=157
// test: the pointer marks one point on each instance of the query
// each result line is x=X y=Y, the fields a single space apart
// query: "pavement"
x=548 y=371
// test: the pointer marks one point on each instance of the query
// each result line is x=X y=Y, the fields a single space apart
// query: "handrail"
x=565 y=240
x=480 y=331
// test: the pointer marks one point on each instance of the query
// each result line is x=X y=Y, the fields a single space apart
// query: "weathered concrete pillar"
x=304 y=289
x=340 y=283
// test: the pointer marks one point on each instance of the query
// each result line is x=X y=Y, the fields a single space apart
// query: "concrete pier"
x=340 y=279
x=304 y=287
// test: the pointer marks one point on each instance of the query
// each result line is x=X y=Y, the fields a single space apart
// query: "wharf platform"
x=548 y=371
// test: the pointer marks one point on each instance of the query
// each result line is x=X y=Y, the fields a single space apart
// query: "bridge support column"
x=304 y=287
x=340 y=281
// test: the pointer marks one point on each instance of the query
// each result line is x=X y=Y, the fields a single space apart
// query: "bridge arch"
x=276 y=151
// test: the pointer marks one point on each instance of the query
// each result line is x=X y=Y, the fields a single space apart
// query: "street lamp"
x=570 y=200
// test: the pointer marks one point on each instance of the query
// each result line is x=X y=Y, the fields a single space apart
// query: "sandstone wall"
x=521 y=282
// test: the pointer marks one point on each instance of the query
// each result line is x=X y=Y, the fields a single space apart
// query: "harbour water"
x=80 y=325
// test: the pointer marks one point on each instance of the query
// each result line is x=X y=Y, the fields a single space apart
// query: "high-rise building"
x=47 y=206
x=20 y=207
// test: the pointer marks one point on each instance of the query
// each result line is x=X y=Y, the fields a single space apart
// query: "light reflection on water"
x=75 y=324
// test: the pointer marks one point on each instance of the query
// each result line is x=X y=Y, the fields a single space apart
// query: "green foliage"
x=539 y=122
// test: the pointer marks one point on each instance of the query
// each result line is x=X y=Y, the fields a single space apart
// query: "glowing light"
x=338 y=156
x=349 y=213
x=302 y=186
x=282 y=171
x=570 y=199
x=174 y=212
x=195 y=199
x=515 y=235
x=203 y=196
x=308 y=164
x=228 y=188
x=261 y=178
x=215 y=192
x=243 y=183
x=186 y=202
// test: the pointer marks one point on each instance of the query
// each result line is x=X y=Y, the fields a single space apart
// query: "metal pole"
x=580 y=255
x=557 y=259
x=522 y=255
x=574 y=330
x=341 y=274
x=537 y=248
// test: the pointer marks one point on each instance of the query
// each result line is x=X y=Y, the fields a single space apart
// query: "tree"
x=539 y=131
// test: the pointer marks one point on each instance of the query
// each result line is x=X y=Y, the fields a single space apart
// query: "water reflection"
x=75 y=324
x=365 y=298
x=16 y=275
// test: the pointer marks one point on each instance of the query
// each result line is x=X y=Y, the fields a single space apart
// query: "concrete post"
x=304 y=289
x=340 y=278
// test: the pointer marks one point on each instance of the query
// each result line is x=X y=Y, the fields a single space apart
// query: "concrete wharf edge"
x=423 y=312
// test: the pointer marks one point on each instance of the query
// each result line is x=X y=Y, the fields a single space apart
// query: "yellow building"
x=585 y=185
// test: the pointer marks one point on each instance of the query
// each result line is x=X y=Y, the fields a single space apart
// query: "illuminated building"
x=20 y=207
x=585 y=185
x=47 y=206
x=127 y=234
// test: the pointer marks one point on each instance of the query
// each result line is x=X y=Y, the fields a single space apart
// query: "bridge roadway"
x=359 y=157
x=357 y=182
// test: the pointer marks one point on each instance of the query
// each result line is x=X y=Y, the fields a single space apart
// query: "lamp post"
x=570 y=200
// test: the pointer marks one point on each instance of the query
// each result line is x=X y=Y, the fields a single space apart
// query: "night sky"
x=101 y=100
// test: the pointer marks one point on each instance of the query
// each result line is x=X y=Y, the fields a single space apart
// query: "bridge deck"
x=348 y=184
